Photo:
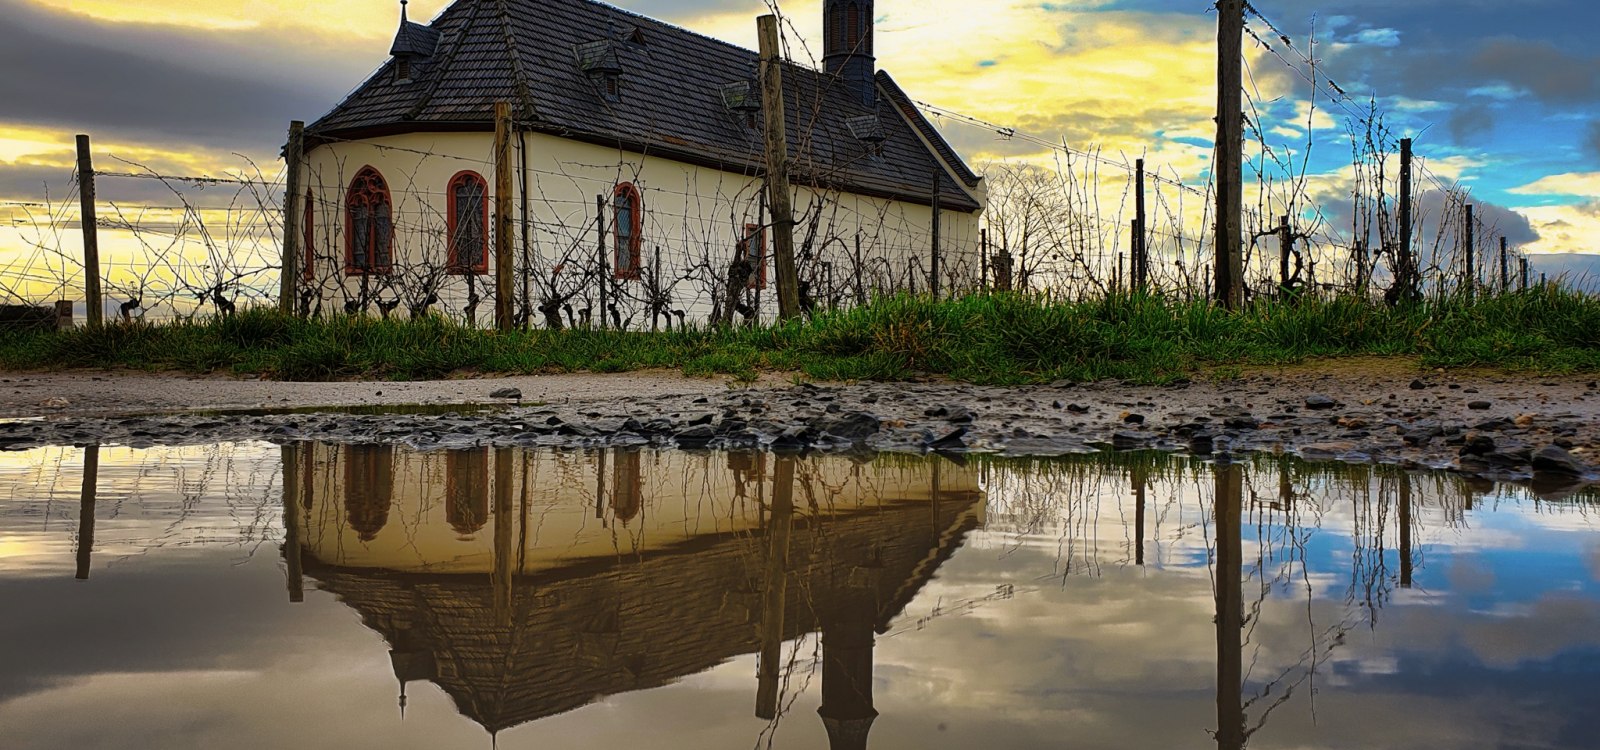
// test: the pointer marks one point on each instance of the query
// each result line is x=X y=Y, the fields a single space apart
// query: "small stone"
x=857 y=426
x=1077 y=408
x=1480 y=405
x=1417 y=385
x=1127 y=441
x=1555 y=460
x=1478 y=445
x=1525 y=420
x=695 y=437
x=504 y=393
x=55 y=403
x=1133 y=419
x=949 y=442
x=1319 y=402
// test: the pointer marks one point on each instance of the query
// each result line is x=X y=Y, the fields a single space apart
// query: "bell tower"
x=848 y=47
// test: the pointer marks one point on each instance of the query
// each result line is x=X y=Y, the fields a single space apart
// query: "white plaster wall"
x=693 y=215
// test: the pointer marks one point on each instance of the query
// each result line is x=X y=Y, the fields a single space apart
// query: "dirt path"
x=1373 y=410
x=116 y=393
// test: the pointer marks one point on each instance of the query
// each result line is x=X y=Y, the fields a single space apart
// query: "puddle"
x=250 y=596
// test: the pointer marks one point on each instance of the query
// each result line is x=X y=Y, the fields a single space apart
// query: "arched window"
x=628 y=221
x=467 y=490
x=308 y=239
x=838 y=22
x=754 y=249
x=469 y=223
x=853 y=34
x=369 y=225
x=368 y=488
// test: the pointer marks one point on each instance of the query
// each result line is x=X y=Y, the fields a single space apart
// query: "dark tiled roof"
x=616 y=626
x=415 y=39
x=523 y=51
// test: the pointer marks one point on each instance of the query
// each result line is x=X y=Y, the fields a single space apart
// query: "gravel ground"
x=1546 y=430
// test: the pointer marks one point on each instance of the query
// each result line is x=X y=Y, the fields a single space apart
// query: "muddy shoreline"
x=1506 y=428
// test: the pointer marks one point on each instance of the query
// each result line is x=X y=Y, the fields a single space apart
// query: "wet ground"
x=332 y=594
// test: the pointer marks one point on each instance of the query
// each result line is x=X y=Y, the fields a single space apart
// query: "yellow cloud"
x=1565 y=229
x=1574 y=183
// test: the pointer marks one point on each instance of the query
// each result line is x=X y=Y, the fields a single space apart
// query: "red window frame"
x=456 y=267
x=635 y=238
x=308 y=239
x=371 y=189
x=759 y=233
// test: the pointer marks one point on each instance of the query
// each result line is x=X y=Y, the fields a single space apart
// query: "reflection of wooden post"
x=1140 y=481
x=847 y=708
x=503 y=526
x=600 y=487
x=291 y=526
x=1230 y=607
x=775 y=589
x=91 y=475
x=1405 y=530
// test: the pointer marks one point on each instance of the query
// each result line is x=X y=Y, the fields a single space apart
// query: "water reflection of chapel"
x=529 y=584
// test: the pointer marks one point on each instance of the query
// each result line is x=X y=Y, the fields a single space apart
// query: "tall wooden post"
x=293 y=159
x=1524 y=274
x=504 y=268
x=1141 y=250
x=933 y=264
x=1229 y=511
x=527 y=233
x=983 y=259
x=86 y=500
x=94 y=307
x=779 y=197
x=1505 y=266
x=1469 y=281
x=775 y=587
x=1406 y=273
x=1229 y=171
x=292 y=560
x=605 y=263
x=655 y=292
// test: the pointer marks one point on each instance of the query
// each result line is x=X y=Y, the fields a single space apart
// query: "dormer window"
x=599 y=61
x=402 y=69
x=743 y=100
x=869 y=130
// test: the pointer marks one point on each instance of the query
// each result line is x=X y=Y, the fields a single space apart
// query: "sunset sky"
x=1504 y=96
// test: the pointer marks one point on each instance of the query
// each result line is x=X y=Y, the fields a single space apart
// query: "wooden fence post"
x=1141 y=265
x=1505 y=268
x=86 y=502
x=605 y=263
x=1285 y=247
x=1229 y=171
x=293 y=158
x=504 y=268
x=1470 y=282
x=779 y=198
x=94 y=308
x=983 y=259
x=1405 y=275
x=933 y=265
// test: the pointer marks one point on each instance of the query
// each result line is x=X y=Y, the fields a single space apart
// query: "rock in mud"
x=695 y=437
x=1480 y=405
x=952 y=441
x=1319 y=402
x=507 y=393
x=1417 y=385
x=1556 y=461
x=857 y=426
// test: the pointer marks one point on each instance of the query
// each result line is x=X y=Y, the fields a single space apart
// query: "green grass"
x=999 y=339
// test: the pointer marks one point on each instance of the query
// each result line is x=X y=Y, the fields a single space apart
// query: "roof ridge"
x=438 y=73
x=941 y=147
x=517 y=71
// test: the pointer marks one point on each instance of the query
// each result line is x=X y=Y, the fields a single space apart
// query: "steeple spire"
x=403 y=4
